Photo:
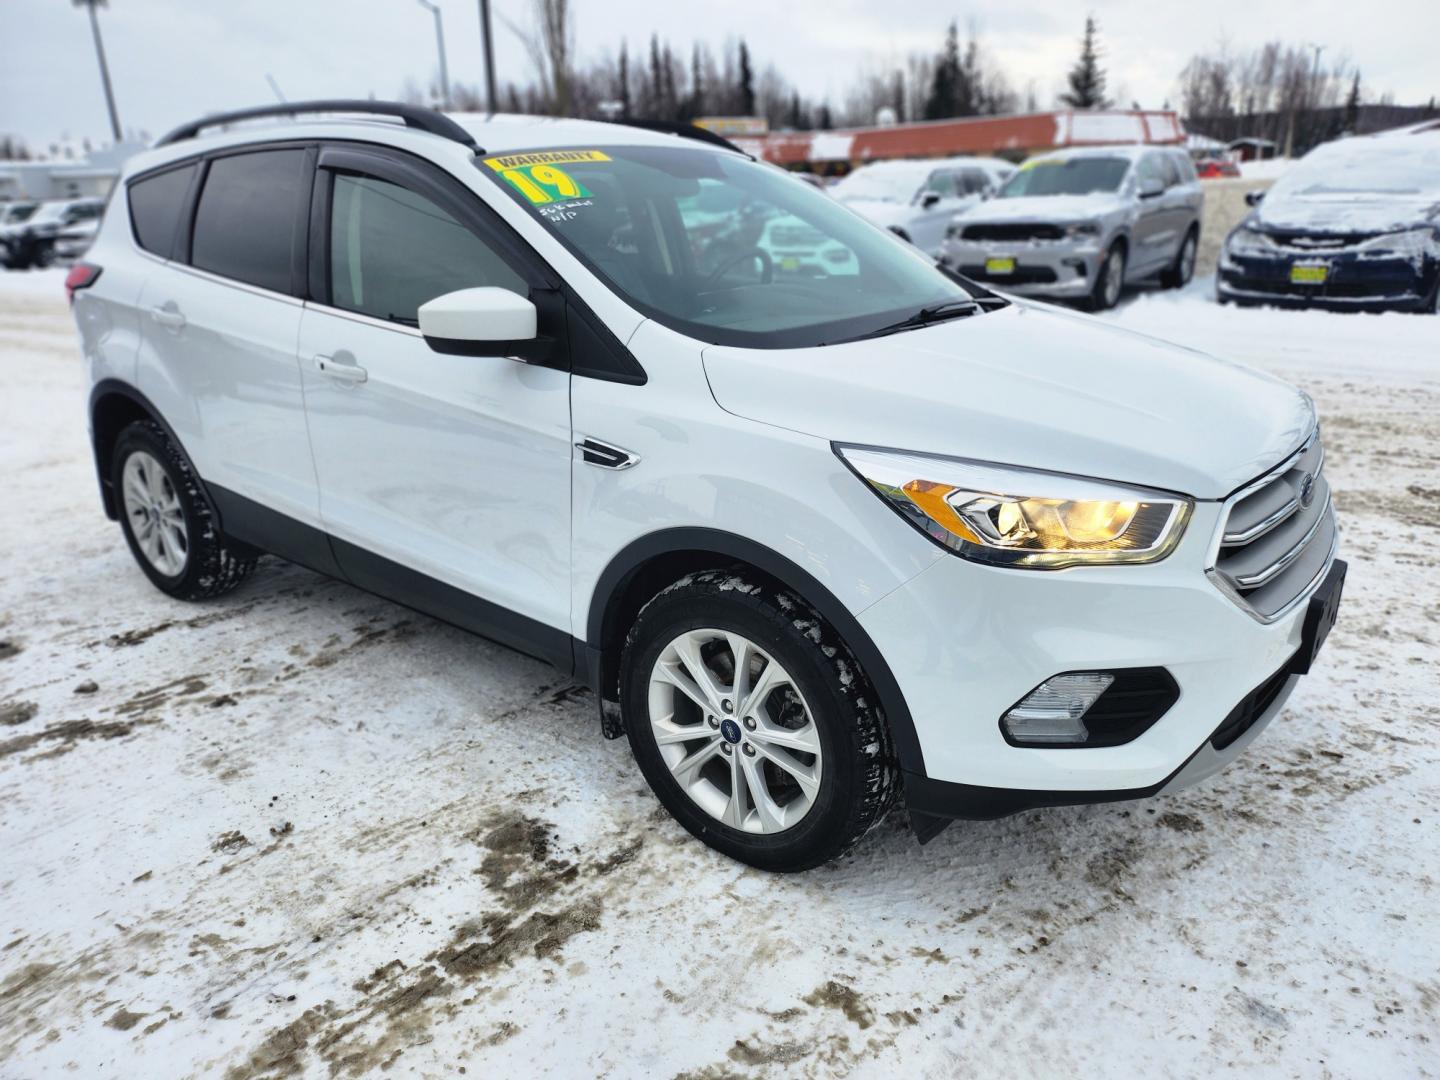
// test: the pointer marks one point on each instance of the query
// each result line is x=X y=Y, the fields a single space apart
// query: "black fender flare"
x=110 y=387
x=622 y=568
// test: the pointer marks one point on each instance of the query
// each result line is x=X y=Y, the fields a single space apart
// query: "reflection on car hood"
x=1345 y=214
x=1029 y=386
x=1045 y=208
x=881 y=211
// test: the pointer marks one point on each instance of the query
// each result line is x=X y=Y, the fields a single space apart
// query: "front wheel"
x=1109 y=281
x=752 y=722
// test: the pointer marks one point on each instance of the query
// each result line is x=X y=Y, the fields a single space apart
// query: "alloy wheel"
x=152 y=506
x=1187 y=260
x=735 y=731
x=1114 y=279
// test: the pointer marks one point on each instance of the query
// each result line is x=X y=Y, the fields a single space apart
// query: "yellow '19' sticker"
x=539 y=177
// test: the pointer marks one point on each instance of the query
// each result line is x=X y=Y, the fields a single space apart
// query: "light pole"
x=434 y=9
x=485 y=40
x=104 y=67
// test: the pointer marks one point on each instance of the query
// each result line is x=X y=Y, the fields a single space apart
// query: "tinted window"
x=245 y=222
x=155 y=205
x=974 y=182
x=944 y=184
x=392 y=250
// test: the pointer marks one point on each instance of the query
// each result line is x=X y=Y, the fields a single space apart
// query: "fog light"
x=1053 y=713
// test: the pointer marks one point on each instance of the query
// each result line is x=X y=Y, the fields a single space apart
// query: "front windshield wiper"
x=934 y=313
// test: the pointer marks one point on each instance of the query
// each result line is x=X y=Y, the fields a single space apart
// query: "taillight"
x=81 y=276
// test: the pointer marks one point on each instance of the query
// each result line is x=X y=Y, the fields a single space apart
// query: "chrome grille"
x=1279 y=535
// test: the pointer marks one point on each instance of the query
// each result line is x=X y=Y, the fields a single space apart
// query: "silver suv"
x=1082 y=224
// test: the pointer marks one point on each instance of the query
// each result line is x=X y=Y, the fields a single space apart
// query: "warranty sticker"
x=539 y=176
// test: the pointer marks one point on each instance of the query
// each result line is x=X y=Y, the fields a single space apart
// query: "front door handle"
x=341 y=372
x=168 y=317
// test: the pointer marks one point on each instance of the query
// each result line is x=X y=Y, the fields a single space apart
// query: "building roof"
x=1021 y=134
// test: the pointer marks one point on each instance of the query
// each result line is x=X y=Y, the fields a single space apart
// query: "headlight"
x=1019 y=518
x=1406 y=241
x=1246 y=241
x=1083 y=228
x=953 y=230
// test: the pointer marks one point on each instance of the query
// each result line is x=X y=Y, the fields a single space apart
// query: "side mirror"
x=1252 y=198
x=929 y=199
x=1150 y=187
x=483 y=322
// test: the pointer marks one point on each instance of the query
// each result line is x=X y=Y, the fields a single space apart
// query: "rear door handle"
x=168 y=318
x=348 y=373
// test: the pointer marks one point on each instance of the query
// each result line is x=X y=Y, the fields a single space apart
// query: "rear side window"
x=391 y=250
x=245 y=222
x=155 y=205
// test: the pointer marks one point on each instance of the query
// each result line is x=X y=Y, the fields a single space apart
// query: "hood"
x=1034 y=387
x=1045 y=208
x=881 y=211
x=1345 y=214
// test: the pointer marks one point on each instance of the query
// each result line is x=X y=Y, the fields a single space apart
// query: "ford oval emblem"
x=1307 y=491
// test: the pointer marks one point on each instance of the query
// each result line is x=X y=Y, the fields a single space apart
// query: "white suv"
x=816 y=543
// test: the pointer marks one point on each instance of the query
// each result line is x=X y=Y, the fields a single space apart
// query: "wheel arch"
x=114 y=405
x=646 y=565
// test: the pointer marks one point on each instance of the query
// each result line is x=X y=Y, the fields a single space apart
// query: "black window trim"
x=617 y=364
x=550 y=293
x=424 y=179
x=185 y=231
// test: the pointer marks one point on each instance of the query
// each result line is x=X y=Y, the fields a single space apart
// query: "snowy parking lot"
x=301 y=830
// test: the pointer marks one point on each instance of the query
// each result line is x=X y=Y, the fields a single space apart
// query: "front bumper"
x=965 y=642
x=1353 y=282
x=1063 y=269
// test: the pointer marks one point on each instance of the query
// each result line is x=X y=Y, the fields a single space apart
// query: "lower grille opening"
x=1252 y=706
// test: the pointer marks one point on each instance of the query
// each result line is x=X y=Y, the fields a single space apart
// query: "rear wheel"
x=1109 y=281
x=753 y=724
x=1179 y=273
x=167 y=523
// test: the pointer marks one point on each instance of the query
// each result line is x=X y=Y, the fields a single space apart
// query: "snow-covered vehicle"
x=1081 y=224
x=1353 y=226
x=916 y=199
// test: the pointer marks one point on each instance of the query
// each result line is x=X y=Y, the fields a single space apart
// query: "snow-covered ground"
x=302 y=830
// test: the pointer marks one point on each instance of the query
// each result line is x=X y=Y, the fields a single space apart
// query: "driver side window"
x=943 y=183
x=392 y=250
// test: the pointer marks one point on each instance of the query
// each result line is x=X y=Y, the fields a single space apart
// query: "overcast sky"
x=175 y=59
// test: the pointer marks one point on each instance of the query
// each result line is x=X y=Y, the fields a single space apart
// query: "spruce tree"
x=1087 y=78
x=747 y=82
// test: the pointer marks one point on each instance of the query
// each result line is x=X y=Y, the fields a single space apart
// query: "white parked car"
x=817 y=543
x=916 y=199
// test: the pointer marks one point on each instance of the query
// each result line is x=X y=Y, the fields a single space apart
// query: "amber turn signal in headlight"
x=1018 y=517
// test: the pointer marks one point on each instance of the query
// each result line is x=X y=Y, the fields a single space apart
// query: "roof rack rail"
x=421 y=119
x=685 y=131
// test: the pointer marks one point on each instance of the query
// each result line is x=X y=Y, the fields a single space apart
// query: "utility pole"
x=488 y=44
x=434 y=9
x=104 y=67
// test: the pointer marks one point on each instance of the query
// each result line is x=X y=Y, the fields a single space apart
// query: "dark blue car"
x=1354 y=226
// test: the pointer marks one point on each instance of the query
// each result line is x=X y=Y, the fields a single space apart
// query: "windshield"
x=19 y=212
x=1066 y=176
x=722 y=248
x=1365 y=167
